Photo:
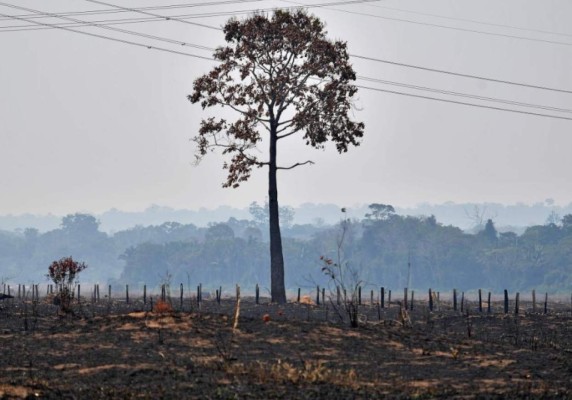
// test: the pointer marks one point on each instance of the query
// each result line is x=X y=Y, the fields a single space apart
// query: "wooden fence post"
x=298 y=299
x=78 y=292
x=145 y=294
x=127 y=294
x=412 y=300
x=181 y=299
x=338 y=295
x=506 y=301
x=318 y=295
x=389 y=298
x=480 y=301
x=324 y=297
x=237 y=292
x=359 y=295
x=454 y=299
x=533 y=300
x=489 y=303
x=257 y=294
x=516 y=300
x=382 y=297
x=546 y=303
x=371 y=297
x=462 y=301
x=405 y=298
x=430 y=300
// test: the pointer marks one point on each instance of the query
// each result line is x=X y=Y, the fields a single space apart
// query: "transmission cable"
x=473 y=21
x=178 y=18
x=471 y=96
x=110 y=38
x=462 y=103
x=460 y=74
x=147 y=36
x=150 y=8
x=166 y=18
x=436 y=25
x=359 y=86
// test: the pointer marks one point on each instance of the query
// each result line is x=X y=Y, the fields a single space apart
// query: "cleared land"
x=117 y=350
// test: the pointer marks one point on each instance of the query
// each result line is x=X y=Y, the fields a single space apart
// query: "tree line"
x=384 y=248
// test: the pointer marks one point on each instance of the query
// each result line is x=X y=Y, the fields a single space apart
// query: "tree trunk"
x=277 y=288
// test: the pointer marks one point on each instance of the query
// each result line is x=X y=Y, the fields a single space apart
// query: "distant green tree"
x=261 y=214
x=219 y=231
x=490 y=232
x=567 y=222
x=380 y=211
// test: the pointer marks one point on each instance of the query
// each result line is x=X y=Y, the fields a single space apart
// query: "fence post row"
x=382 y=301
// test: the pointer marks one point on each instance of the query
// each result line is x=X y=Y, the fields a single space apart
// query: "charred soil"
x=114 y=350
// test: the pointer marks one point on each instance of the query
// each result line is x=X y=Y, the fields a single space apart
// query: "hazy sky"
x=88 y=124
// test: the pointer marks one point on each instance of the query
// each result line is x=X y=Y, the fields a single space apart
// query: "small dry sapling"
x=344 y=281
x=64 y=273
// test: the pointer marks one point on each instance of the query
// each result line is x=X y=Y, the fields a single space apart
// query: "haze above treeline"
x=467 y=216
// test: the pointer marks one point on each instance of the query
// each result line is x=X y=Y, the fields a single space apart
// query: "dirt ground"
x=114 y=350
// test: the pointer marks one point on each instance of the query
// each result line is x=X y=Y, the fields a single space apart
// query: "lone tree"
x=284 y=78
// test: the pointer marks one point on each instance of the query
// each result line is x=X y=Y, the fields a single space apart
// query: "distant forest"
x=383 y=247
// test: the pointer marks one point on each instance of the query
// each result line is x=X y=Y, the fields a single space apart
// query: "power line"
x=147 y=36
x=541 y=87
x=179 y=18
x=473 y=21
x=359 y=86
x=471 y=96
x=182 y=18
x=167 y=18
x=151 y=8
x=463 y=103
x=461 y=75
x=110 y=38
x=437 y=25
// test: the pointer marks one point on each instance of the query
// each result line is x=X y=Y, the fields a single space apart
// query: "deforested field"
x=115 y=350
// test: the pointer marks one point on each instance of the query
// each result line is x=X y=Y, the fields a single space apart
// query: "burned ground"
x=118 y=350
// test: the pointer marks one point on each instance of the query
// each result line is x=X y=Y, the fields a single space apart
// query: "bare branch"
x=287 y=134
x=297 y=165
